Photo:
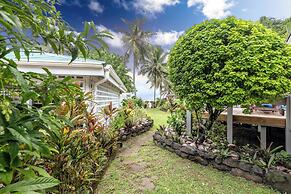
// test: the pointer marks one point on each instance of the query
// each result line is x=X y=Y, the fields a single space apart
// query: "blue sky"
x=167 y=18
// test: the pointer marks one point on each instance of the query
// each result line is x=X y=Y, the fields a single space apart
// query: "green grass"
x=168 y=172
x=160 y=118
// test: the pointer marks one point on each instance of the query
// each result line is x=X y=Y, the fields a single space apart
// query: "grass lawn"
x=142 y=167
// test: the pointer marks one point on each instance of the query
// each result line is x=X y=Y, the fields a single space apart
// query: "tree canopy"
x=281 y=26
x=155 y=68
x=136 y=43
x=226 y=62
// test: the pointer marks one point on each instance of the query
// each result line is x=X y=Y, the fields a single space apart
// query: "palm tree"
x=136 y=42
x=155 y=68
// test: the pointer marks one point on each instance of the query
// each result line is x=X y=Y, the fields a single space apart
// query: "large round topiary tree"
x=227 y=62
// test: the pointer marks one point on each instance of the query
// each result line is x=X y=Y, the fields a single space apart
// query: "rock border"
x=126 y=133
x=274 y=177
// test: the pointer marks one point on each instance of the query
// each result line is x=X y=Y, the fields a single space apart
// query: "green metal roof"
x=50 y=57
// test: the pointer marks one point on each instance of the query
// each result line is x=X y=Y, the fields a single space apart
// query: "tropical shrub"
x=133 y=102
x=83 y=146
x=177 y=121
x=227 y=62
x=24 y=129
x=264 y=158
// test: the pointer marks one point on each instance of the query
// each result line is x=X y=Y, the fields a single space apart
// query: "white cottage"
x=92 y=75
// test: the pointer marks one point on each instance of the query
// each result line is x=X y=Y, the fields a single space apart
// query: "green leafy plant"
x=283 y=158
x=177 y=122
x=226 y=62
x=133 y=102
x=218 y=135
x=264 y=158
x=30 y=186
x=224 y=153
x=26 y=130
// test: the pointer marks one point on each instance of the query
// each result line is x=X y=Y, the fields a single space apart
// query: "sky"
x=168 y=19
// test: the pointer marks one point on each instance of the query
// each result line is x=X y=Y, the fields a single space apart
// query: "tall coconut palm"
x=136 y=42
x=155 y=68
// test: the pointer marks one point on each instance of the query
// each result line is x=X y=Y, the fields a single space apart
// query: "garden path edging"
x=125 y=133
x=275 y=178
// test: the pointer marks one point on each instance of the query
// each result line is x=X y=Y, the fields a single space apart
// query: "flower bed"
x=278 y=177
x=126 y=133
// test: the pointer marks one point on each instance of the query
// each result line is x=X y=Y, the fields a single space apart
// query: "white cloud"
x=152 y=7
x=71 y=2
x=122 y=3
x=213 y=8
x=95 y=6
x=116 y=41
x=166 y=38
x=159 y=38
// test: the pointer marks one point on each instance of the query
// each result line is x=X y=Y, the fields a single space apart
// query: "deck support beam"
x=189 y=122
x=263 y=136
x=230 y=125
x=288 y=125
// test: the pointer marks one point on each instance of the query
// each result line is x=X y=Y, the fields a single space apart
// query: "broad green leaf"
x=20 y=79
x=28 y=173
x=13 y=150
x=74 y=53
x=5 y=159
x=18 y=136
x=17 y=54
x=40 y=183
x=6 y=177
x=86 y=29
x=47 y=71
x=40 y=171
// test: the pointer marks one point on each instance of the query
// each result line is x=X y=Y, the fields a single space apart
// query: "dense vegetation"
x=58 y=142
x=281 y=26
x=227 y=62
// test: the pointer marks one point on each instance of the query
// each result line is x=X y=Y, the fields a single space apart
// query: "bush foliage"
x=227 y=62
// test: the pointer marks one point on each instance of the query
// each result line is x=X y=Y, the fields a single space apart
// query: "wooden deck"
x=263 y=120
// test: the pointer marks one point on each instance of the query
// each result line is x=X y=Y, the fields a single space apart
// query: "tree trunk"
x=135 y=63
x=161 y=91
x=213 y=116
x=154 y=96
x=155 y=92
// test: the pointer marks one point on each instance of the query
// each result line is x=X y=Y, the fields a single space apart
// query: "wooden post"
x=288 y=125
x=263 y=136
x=230 y=124
x=189 y=122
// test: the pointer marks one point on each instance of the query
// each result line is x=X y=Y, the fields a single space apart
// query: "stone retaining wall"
x=275 y=177
x=125 y=133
